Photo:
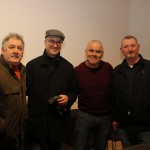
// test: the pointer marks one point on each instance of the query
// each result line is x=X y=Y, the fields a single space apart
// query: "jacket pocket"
x=12 y=91
x=2 y=125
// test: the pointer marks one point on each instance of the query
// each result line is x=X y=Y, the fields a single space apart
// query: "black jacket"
x=48 y=77
x=136 y=109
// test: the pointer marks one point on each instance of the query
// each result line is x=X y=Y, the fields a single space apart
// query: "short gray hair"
x=128 y=37
x=12 y=35
x=96 y=41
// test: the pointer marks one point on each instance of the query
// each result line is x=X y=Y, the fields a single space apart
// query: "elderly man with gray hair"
x=12 y=92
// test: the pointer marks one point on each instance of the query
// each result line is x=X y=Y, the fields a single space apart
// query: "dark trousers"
x=8 y=143
x=33 y=143
x=85 y=125
x=57 y=145
x=133 y=135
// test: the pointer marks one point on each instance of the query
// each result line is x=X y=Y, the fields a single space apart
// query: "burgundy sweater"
x=93 y=87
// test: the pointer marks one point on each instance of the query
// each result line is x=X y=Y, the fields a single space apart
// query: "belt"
x=100 y=114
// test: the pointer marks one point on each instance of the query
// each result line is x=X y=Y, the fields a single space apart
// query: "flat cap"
x=55 y=33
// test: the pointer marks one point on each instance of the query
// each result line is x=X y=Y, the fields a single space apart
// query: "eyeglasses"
x=96 y=51
x=52 y=42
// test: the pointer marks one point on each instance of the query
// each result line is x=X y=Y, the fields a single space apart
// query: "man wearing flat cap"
x=51 y=90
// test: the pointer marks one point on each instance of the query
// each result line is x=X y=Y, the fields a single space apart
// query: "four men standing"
x=53 y=85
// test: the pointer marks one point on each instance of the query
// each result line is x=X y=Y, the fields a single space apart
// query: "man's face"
x=53 y=46
x=94 y=53
x=130 y=48
x=13 y=51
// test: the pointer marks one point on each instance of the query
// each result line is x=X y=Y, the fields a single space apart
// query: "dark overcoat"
x=48 y=77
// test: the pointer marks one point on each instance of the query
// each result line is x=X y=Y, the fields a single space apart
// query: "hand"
x=62 y=100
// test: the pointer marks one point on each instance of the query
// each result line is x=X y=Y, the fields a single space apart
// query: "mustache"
x=15 y=55
x=96 y=57
x=130 y=52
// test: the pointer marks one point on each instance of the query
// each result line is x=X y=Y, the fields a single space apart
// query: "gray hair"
x=12 y=35
x=96 y=41
x=128 y=37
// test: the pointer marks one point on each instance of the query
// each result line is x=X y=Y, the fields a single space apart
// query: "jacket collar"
x=46 y=60
x=124 y=64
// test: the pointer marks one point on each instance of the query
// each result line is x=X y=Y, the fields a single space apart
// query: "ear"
x=44 y=41
x=102 y=55
x=2 y=50
x=120 y=49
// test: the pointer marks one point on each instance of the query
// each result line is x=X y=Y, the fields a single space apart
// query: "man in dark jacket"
x=51 y=90
x=12 y=92
x=131 y=95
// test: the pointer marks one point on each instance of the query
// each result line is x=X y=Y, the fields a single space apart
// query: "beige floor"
x=117 y=145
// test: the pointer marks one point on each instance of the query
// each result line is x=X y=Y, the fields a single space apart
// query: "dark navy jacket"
x=136 y=109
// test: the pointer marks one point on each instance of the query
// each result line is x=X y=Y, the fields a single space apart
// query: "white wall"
x=140 y=24
x=80 y=20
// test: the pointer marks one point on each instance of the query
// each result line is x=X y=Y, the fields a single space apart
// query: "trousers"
x=133 y=135
x=87 y=124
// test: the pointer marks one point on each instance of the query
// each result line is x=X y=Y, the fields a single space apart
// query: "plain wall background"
x=80 y=21
x=140 y=24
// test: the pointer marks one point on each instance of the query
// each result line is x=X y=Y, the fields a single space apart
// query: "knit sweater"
x=93 y=87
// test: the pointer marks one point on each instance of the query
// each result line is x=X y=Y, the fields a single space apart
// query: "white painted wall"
x=140 y=24
x=80 y=20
